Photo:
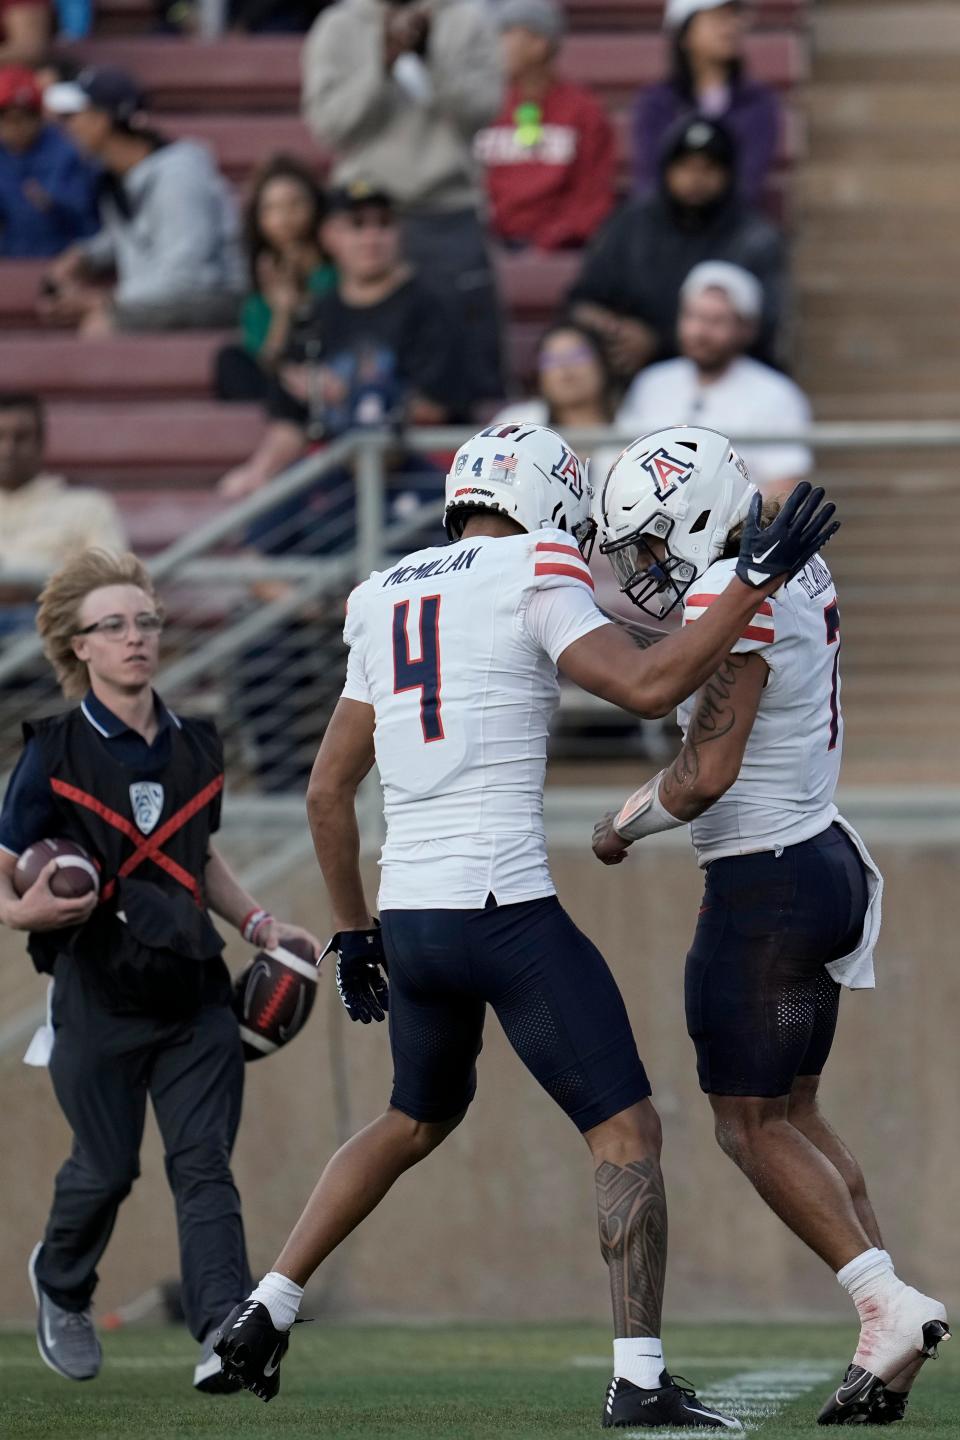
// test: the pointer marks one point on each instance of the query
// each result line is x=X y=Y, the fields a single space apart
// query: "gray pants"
x=103 y=1068
x=449 y=251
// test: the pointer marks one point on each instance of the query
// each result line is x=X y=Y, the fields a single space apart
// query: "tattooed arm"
x=723 y=714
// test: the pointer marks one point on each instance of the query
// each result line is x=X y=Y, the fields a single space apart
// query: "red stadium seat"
x=137 y=445
x=122 y=367
x=19 y=282
x=263 y=73
x=154 y=519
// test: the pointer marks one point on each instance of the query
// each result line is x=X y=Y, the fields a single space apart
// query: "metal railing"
x=255 y=596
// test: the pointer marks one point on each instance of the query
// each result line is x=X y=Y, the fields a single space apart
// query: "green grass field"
x=456 y=1382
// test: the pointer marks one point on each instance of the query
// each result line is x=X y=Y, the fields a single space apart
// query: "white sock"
x=868 y=1276
x=639 y=1360
x=281 y=1297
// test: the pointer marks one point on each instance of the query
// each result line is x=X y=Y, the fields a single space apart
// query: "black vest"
x=146 y=944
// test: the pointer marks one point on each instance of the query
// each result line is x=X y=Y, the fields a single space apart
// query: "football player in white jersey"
x=791 y=908
x=451 y=685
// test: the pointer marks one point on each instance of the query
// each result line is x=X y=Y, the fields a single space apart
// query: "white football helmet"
x=686 y=487
x=525 y=472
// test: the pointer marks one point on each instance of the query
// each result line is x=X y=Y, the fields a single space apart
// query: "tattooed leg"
x=632 y=1211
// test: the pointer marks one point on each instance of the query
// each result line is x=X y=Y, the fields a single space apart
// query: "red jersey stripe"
x=556 y=549
x=703 y=600
x=755 y=632
x=551 y=568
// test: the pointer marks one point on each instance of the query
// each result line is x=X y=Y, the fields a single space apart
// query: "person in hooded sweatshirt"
x=170 y=225
x=628 y=290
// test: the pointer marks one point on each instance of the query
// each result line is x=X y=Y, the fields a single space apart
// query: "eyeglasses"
x=116 y=627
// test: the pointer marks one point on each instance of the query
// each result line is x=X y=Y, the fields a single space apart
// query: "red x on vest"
x=148 y=847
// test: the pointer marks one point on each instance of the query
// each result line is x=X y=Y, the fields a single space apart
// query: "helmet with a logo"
x=526 y=472
x=685 y=488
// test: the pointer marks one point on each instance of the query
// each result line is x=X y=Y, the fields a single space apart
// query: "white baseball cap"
x=742 y=289
x=678 y=12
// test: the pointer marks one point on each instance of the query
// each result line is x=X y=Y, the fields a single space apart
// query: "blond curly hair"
x=59 y=608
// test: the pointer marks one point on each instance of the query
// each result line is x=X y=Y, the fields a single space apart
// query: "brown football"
x=273 y=997
x=76 y=874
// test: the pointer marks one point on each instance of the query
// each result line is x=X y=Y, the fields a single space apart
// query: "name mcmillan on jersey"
x=443 y=566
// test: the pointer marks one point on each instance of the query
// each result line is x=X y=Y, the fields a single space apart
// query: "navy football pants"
x=549 y=987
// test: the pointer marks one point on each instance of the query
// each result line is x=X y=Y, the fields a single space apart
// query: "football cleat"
x=673 y=1405
x=209 y=1375
x=251 y=1348
x=863 y=1399
x=887 y=1406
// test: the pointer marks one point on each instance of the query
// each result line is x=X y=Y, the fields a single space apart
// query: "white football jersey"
x=455 y=647
x=785 y=790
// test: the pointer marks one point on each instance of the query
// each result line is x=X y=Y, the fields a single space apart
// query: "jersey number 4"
x=422 y=674
x=831 y=615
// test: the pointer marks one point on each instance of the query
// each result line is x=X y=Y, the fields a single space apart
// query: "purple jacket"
x=753 y=119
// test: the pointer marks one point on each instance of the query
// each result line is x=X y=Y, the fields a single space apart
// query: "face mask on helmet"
x=655 y=584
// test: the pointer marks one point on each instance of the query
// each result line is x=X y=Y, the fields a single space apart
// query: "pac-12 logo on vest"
x=146 y=797
x=667 y=473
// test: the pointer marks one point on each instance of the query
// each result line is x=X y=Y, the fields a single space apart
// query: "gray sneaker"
x=208 y=1375
x=66 y=1339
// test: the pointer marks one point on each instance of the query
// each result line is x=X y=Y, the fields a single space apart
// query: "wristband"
x=643 y=814
x=252 y=922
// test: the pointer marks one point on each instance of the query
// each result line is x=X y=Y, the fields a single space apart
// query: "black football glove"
x=361 y=972
x=785 y=546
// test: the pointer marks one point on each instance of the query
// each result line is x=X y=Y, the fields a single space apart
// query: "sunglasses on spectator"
x=576 y=355
x=117 y=627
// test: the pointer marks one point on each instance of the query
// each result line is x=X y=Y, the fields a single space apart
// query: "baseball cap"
x=742 y=289
x=542 y=17
x=677 y=12
x=19 y=89
x=701 y=137
x=355 y=194
x=98 y=87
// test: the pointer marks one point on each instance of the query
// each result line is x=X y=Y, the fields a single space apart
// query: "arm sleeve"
x=355 y=686
x=773 y=462
x=186 y=235
x=345 y=86
x=601 y=279
x=29 y=812
x=589 y=196
x=463 y=52
x=98 y=251
x=555 y=618
x=758 y=144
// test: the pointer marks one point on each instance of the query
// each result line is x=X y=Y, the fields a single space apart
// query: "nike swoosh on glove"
x=361 y=973
x=784 y=547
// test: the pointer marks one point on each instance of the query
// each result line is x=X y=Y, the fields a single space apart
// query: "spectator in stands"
x=170 y=226
x=288 y=268
x=25 y=30
x=708 y=78
x=549 y=155
x=714 y=382
x=377 y=350
x=575 y=389
x=43 y=520
x=48 y=194
x=398 y=91
x=629 y=287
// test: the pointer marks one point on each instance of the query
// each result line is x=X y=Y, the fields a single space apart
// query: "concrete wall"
x=500 y=1222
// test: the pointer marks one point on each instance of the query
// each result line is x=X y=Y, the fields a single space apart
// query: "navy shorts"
x=549 y=987
x=761 y=1008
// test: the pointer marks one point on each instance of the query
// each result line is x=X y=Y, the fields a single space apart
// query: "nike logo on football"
x=273 y=1363
x=759 y=559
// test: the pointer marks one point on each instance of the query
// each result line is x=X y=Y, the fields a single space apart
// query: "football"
x=76 y=874
x=273 y=997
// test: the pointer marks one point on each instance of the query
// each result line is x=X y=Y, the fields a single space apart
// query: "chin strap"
x=643 y=814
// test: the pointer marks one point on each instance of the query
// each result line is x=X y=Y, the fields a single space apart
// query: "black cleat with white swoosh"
x=851 y=1401
x=673 y=1405
x=251 y=1348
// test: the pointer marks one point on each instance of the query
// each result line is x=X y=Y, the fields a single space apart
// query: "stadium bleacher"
x=134 y=412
